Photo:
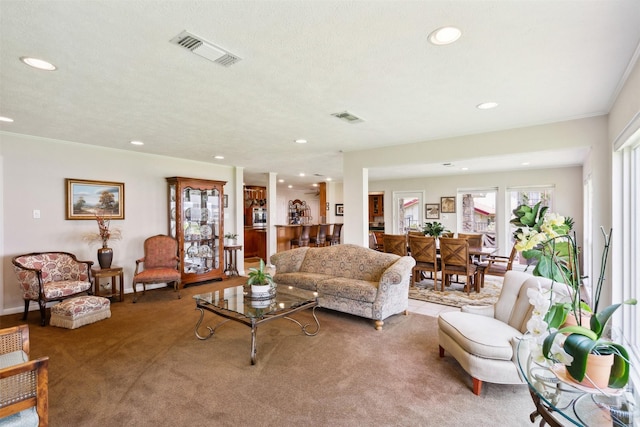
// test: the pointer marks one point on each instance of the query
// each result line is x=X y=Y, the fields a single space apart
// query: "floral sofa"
x=349 y=278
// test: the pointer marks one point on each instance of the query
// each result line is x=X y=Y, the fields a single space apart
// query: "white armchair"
x=483 y=339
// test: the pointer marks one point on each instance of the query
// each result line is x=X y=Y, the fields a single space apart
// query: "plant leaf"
x=578 y=346
x=620 y=370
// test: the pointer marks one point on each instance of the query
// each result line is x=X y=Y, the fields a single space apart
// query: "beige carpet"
x=455 y=295
x=145 y=367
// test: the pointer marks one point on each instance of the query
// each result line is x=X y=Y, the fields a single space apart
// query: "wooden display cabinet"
x=196 y=216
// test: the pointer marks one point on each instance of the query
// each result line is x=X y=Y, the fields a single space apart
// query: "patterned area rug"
x=455 y=295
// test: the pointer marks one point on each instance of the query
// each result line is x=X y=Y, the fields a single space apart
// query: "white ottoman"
x=79 y=311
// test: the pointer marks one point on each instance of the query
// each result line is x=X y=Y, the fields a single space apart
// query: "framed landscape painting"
x=432 y=210
x=86 y=199
x=448 y=204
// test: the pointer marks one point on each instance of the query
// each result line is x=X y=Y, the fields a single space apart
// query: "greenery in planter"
x=434 y=229
x=231 y=236
x=258 y=276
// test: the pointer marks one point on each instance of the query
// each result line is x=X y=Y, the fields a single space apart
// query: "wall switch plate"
x=36 y=213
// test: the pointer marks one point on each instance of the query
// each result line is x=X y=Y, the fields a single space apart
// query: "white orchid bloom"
x=537 y=326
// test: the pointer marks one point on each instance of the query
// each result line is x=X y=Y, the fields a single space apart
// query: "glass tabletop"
x=238 y=299
x=572 y=404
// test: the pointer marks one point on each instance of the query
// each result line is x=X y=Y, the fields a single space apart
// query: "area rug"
x=455 y=295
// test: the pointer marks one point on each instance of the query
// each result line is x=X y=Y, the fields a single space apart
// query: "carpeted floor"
x=144 y=367
x=455 y=295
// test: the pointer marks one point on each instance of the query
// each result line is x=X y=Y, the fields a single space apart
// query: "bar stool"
x=334 y=239
x=303 y=238
x=321 y=238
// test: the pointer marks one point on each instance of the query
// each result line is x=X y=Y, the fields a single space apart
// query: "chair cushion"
x=359 y=290
x=302 y=280
x=13 y=358
x=79 y=311
x=26 y=418
x=481 y=336
x=157 y=275
x=61 y=289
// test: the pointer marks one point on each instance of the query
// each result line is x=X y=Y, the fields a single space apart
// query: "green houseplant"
x=260 y=280
x=434 y=229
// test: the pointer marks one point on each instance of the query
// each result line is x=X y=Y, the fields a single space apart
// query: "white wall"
x=34 y=172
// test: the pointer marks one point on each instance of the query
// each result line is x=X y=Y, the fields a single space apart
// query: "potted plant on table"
x=434 y=229
x=261 y=281
x=230 y=239
x=545 y=238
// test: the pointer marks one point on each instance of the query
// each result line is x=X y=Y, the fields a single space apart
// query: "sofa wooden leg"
x=477 y=386
x=441 y=351
x=379 y=324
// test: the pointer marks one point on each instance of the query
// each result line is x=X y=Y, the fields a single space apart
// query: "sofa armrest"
x=481 y=310
x=398 y=271
x=289 y=261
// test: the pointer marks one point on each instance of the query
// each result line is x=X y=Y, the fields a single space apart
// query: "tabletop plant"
x=259 y=276
x=434 y=229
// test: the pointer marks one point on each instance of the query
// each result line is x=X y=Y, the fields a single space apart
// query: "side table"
x=113 y=273
x=231 y=257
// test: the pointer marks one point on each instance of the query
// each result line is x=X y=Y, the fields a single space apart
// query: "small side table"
x=113 y=273
x=231 y=257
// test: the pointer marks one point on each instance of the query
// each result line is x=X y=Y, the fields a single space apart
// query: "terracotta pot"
x=572 y=321
x=598 y=371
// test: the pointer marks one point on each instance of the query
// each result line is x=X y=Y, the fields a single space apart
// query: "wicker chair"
x=24 y=396
x=161 y=264
x=50 y=276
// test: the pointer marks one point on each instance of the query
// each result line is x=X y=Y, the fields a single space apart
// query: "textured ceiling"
x=119 y=78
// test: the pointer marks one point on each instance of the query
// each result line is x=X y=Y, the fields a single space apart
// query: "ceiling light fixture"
x=487 y=105
x=137 y=143
x=289 y=186
x=6 y=119
x=525 y=163
x=40 y=64
x=281 y=180
x=218 y=157
x=301 y=141
x=301 y=174
x=445 y=35
x=328 y=178
x=465 y=169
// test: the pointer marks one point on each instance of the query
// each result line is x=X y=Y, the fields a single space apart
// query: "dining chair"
x=161 y=264
x=475 y=241
x=303 y=238
x=423 y=250
x=454 y=255
x=395 y=244
x=496 y=265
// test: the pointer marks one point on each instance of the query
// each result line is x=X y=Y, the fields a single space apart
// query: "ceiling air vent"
x=348 y=117
x=205 y=49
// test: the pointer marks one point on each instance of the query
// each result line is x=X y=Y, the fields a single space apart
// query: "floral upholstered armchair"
x=50 y=276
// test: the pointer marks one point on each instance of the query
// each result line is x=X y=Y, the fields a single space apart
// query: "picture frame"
x=432 y=211
x=226 y=200
x=448 y=204
x=86 y=199
x=339 y=209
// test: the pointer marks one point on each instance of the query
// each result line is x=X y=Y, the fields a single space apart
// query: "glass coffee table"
x=236 y=303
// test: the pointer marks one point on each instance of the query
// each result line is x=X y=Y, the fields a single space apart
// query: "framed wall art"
x=448 y=204
x=432 y=211
x=339 y=209
x=86 y=199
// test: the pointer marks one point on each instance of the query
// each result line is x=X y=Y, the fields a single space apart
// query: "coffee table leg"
x=211 y=330
x=304 y=327
x=254 y=329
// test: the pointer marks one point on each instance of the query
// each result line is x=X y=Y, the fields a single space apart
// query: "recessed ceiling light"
x=218 y=157
x=465 y=169
x=487 y=105
x=301 y=174
x=40 y=64
x=6 y=119
x=314 y=184
x=137 y=143
x=525 y=163
x=328 y=179
x=289 y=186
x=281 y=180
x=445 y=35
x=301 y=141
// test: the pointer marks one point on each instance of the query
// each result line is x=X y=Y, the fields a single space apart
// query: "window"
x=407 y=211
x=479 y=214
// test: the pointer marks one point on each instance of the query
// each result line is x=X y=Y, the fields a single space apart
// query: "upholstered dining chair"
x=50 y=276
x=304 y=238
x=423 y=250
x=24 y=383
x=335 y=236
x=395 y=244
x=161 y=264
x=320 y=239
x=454 y=255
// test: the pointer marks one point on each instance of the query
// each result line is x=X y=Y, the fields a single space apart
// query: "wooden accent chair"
x=303 y=238
x=50 y=276
x=423 y=250
x=334 y=239
x=161 y=264
x=454 y=255
x=24 y=383
x=320 y=239
x=395 y=244
x=496 y=265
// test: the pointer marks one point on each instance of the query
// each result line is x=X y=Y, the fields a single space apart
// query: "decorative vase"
x=598 y=371
x=105 y=256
